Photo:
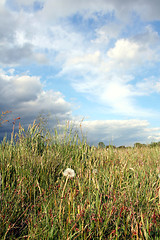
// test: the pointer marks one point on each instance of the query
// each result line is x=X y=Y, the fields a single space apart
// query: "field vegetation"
x=55 y=186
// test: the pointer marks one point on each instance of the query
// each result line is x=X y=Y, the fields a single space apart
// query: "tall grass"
x=113 y=195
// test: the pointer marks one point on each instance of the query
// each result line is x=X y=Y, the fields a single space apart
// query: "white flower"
x=159 y=175
x=69 y=173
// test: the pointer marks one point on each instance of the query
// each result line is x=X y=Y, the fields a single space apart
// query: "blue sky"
x=94 y=60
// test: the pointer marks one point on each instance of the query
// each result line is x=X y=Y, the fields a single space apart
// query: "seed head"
x=69 y=173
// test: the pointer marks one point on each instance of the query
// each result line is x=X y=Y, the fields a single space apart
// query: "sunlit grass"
x=114 y=193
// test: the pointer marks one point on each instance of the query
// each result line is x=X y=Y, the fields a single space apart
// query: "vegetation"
x=101 y=145
x=58 y=187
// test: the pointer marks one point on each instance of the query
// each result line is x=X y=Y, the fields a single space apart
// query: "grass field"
x=110 y=194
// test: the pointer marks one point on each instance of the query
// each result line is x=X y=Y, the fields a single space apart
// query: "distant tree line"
x=152 y=144
x=138 y=145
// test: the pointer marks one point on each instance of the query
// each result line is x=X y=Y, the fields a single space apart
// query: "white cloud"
x=53 y=9
x=16 y=33
x=26 y=88
x=2 y=3
x=148 y=86
x=92 y=58
x=26 y=2
x=24 y=95
x=124 y=49
x=149 y=37
x=109 y=78
x=130 y=54
x=106 y=33
x=28 y=33
x=154 y=137
x=118 y=132
x=106 y=83
x=148 y=10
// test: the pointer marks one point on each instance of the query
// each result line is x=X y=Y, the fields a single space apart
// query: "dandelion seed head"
x=69 y=173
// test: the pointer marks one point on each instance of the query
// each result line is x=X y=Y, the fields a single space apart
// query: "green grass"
x=114 y=194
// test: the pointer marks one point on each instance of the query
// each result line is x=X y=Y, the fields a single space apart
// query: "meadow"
x=55 y=186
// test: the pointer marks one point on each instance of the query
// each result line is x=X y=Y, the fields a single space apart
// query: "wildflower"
x=70 y=173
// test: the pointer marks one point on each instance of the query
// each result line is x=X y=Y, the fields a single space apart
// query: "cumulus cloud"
x=119 y=132
x=107 y=32
x=26 y=92
x=132 y=53
x=131 y=56
x=25 y=97
x=15 y=55
x=15 y=29
x=124 y=49
x=26 y=33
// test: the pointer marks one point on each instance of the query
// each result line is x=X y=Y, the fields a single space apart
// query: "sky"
x=94 y=64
